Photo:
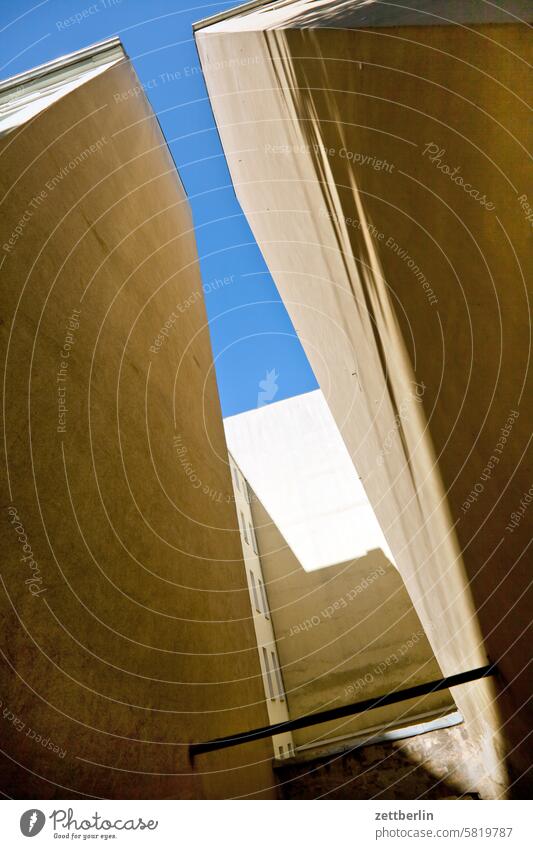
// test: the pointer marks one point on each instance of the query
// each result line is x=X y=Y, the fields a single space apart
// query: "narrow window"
x=280 y=749
x=263 y=598
x=243 y=526
x=252 y=536
x=236 y=478
x=268 y=674
x=254 y=591
x=277 y=673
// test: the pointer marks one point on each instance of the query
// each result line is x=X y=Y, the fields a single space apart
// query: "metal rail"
x=344 y=710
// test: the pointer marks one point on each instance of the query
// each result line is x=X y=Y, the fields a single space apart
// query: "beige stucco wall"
x=345 y=633
x=136 y=635
x=422 y=389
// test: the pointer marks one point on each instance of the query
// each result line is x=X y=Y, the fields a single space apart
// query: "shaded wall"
x=344 y=634
x=127 y=628
x=437 y=765
x=407 y=289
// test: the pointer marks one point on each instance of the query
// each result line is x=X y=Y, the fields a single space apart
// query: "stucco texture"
x=127 y=629
x=407 y=287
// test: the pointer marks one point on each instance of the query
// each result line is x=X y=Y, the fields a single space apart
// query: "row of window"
x=289 y=753
x=270 y=664
x=247 y=529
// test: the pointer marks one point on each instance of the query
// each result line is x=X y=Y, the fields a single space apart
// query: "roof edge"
x=93 y=51
x=349 y=16
x=230 y=13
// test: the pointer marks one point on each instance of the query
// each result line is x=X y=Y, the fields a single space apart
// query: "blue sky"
x=250 y=329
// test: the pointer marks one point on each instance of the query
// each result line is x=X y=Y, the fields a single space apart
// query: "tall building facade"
x=341 y=633
x=377 y=152
x=128 y=630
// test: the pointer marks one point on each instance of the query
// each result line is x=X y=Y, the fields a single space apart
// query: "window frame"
x=268 y=675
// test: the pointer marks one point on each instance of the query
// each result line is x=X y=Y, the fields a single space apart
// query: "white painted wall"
x=295 y=459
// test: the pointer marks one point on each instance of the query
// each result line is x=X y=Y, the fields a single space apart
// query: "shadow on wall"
x=436 y=765
x=345 y=633
x=338 y=108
